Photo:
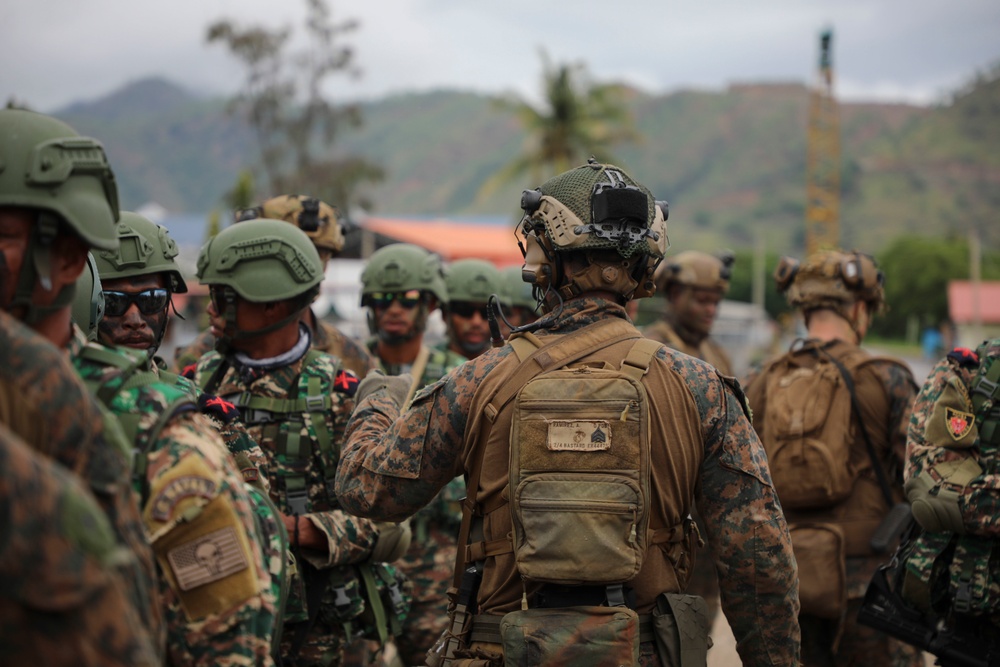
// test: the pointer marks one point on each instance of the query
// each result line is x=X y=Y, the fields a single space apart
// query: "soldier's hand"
x=396 y=386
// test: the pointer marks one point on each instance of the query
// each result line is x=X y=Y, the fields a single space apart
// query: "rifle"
x=954 y=644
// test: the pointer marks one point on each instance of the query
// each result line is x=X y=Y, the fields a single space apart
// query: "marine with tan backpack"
x=585 y=447
x=833 y=419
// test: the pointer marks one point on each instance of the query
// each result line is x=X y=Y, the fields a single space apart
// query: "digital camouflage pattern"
x=216 y=587
x=430 y=560
x=391 y=467
x=62 y=602
x=325 y=338
x=43 y=402
x=885 y=391
x=349 y=539
x=963 y=570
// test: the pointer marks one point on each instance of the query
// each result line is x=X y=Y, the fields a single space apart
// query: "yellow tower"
x=823 y=156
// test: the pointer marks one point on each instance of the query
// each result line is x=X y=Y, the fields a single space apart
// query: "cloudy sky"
x=58 y=51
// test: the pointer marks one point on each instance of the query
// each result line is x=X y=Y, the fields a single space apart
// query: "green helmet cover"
x=261 y=260
x=145 y=248
x=472 y=280
x=400 y=267
x=88 y=302
x=516 y=291
x=46 y=165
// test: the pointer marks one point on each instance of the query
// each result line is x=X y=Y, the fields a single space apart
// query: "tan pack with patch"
x=579 y=469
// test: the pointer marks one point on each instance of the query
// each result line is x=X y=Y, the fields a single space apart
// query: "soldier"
x=692 y=283
x=593 y=236
x=833 y=420
x=321 y=223
x=518 y=299
x=58 y=198
x=190 y=491
x=401 y=285
x=63 y=603
x=950 y=572
x=295 y=400
x=135 y=288
x=469 y=282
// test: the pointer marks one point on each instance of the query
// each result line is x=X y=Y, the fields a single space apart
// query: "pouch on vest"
x=820 y=556
x=808 y=432
x=680 y=629
x=578 y=636
x=579 y=475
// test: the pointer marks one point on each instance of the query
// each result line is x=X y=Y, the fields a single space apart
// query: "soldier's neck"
x=826 y=325
x=686 y=334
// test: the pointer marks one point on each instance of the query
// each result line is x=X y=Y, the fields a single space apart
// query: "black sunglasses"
x=409 y=299
x=149 y=301
x=467 y=309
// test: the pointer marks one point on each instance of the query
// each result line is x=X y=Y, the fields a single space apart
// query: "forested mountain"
x=731 y=163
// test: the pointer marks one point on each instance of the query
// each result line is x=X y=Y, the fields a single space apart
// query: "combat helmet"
x=695 y=269
x=88 y=301
x=594 y=207
x=516 y=292
x=401 y=267
x=831 y=279
x=144 y=248
x=472 y=280
x=320 y=221
x=261 y=261
x=47 y=167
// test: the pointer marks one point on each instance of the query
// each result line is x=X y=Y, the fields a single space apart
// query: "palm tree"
x=576 y=119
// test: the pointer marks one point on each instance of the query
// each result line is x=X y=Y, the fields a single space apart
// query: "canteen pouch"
x=819 y=553
x=577 y=636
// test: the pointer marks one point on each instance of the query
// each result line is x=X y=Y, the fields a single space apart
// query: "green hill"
x=731 y=163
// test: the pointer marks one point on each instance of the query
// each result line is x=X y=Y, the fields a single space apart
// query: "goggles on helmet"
x=149 y=301
x=409 y=299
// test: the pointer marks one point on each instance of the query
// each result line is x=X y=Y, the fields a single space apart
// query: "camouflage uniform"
x=216 y=586
x=431 y=557
x=350 y=540
x=326 y=338
x=43 y=401
x=953 y=470
x=63 y=602
x=391 y=467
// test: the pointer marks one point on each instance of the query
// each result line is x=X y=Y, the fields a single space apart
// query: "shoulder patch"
x=161 y=507
x=958 y=423
x=218 y=407
x=189 y=371
x=964 y=357
x=207 y=558
x=346 y=382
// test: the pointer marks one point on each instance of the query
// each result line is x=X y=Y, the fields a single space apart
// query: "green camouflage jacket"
x=216 y=586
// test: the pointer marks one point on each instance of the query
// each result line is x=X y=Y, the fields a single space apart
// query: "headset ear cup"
x=784 y=273
x=537 y=268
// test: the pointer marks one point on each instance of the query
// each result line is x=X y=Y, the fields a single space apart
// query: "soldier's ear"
x=69 y=258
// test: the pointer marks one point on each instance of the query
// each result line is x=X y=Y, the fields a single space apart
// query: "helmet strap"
x=38 y=270
x=223 y=344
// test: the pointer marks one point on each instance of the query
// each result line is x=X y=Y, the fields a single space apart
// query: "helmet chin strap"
x=223 y=344
x=419 y=326
x=37 y=269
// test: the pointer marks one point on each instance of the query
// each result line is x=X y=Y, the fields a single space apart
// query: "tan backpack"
x=579 y=469
x=809 y=427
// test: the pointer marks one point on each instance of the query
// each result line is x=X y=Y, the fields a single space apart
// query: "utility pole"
x=823 y=156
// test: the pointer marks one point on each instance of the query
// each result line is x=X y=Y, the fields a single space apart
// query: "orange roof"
x=453 y=240
x=961 y=301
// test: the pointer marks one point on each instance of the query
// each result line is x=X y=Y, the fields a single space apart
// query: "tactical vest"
x=372 y=598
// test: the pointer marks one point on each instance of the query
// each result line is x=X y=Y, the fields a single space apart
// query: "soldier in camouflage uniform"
x=135 y=287
x=838 y=294
x=321 y=223
x=216 y=611
x=469 y=282
x=57 y=198
x=262 y=275
x=692 y=283
x=702 y=445
x=63 y=603
x=401 y=285
x=951 y=572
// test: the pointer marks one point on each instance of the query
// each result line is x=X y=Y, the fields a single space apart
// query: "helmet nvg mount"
x=319 y=220
x=145 y=248
x=594 y=207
